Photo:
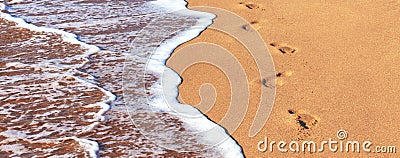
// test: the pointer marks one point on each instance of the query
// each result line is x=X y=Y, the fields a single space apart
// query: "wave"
x=167 y=18
x=55 y=65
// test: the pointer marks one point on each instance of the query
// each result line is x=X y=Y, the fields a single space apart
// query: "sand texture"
x=336 y=64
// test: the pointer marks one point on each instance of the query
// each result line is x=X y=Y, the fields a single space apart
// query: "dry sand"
x=342 y=75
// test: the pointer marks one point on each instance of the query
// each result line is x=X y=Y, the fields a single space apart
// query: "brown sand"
x=342 y=74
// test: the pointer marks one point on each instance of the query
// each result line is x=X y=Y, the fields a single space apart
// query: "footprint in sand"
x=253 y=24
x=268 y=81
x=305 y=122
x=284 y=48
x=281 y=75
x=284 y=74
x=250 y=5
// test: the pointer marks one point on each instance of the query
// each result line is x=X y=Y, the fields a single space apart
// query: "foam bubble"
x=168 y=90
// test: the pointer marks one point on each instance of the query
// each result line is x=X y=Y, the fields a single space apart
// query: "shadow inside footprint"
x=250 y=5
x=304 y=119
x=303 y=124
x=283 y=48
x=286 y=49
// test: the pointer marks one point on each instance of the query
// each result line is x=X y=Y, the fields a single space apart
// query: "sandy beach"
x=69 y=72
x=61 y=82
x=336 y=65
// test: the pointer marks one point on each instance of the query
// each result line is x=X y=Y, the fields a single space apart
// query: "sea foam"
x=167 y=88
x=90 y=146
x=167 y=99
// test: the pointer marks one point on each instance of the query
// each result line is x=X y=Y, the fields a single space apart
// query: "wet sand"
x=337 y=69
x=52 y=110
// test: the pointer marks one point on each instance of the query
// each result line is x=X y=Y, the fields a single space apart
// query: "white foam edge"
x=67 y=37
x=170 y=5
x=2 y=6
x=171 y=80
x=70 y=38
x=104 y=104
x=89 y=146
x=15 y=1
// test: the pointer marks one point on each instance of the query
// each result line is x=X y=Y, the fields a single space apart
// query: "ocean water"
x=88 y=78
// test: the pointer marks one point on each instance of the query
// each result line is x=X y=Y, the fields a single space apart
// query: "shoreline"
x=89 y=146
x=326 y=60
x=97 y=138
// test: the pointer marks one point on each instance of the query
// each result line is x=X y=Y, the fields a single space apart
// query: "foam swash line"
x=98 y=29
x=90 y=146
x=167 y=90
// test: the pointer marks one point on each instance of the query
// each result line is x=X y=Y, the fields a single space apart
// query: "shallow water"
x=62 y=97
